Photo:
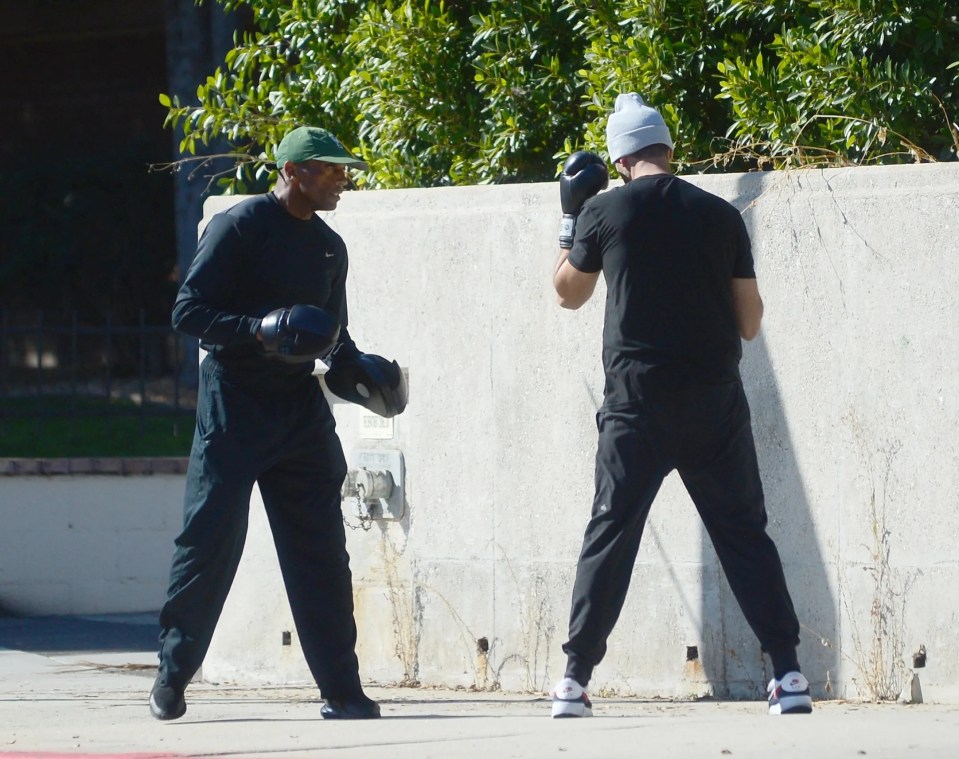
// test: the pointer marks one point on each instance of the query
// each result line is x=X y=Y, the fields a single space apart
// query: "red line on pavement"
x=47 y=755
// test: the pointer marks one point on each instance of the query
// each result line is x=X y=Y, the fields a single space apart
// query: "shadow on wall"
x=792 y=527
x=739 y=663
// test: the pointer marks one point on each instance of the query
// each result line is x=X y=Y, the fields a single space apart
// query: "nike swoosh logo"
x=330 y=255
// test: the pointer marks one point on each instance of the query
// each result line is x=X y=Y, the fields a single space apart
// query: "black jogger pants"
x=703 y=431
x=281 y=435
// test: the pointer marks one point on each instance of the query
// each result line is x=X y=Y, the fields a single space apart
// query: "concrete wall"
x=87 y=536
x=854 y=394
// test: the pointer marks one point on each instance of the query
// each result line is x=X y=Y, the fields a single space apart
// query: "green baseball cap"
x=312 y=143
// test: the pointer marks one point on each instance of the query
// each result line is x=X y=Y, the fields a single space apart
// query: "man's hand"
x=584 y=175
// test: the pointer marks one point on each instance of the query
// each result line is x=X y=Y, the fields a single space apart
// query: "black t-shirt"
x=669 y=252
x=252 y=259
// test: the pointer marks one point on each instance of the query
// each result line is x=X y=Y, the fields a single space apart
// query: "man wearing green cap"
x=265 y=296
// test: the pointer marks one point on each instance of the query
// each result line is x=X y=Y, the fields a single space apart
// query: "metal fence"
x=55 y=367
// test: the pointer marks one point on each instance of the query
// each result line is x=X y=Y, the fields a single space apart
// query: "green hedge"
x=436 y=93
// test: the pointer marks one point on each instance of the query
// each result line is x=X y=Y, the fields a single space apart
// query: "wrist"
x=567 y=230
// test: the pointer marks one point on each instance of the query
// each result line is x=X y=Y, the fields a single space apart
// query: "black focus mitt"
x=370 y=381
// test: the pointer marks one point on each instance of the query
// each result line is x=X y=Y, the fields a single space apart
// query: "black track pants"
x=282 y=435
x=702 y=431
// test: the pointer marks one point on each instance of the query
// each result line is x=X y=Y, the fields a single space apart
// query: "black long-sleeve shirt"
x=252 y=259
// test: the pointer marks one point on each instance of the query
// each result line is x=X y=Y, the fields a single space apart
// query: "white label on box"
x=375 y=427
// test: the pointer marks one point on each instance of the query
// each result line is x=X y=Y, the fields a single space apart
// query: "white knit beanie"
x=633 y=125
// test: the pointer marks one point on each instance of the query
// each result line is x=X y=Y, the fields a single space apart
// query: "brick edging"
x=85 y=466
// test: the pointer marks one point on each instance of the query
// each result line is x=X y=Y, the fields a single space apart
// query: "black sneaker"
x=166 y=700
x=355 y=707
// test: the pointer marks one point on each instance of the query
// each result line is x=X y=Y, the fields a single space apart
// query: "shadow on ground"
x=72 y=635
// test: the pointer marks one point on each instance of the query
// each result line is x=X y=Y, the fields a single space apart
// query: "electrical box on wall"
x=374 y=485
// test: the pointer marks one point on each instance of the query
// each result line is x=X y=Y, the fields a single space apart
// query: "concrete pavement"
x=78 y=687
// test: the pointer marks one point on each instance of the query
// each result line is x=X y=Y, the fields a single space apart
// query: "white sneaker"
x=570 y=699
x=789 y=695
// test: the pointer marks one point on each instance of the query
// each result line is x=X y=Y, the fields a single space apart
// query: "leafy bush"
x=857 y=81
x=435 y=93
x=416 y=106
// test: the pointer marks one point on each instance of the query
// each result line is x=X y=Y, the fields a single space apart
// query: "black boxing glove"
x=584 y=175
x=299 y=334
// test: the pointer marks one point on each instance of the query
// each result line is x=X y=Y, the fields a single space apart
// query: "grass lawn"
x=79 y=427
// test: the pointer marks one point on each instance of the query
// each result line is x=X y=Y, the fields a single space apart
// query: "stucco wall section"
x=853 y=389
x=82 y=537
x=854 y=395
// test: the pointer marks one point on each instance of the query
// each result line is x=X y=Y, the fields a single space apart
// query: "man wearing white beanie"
x=681 y=294
x=633 y=125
